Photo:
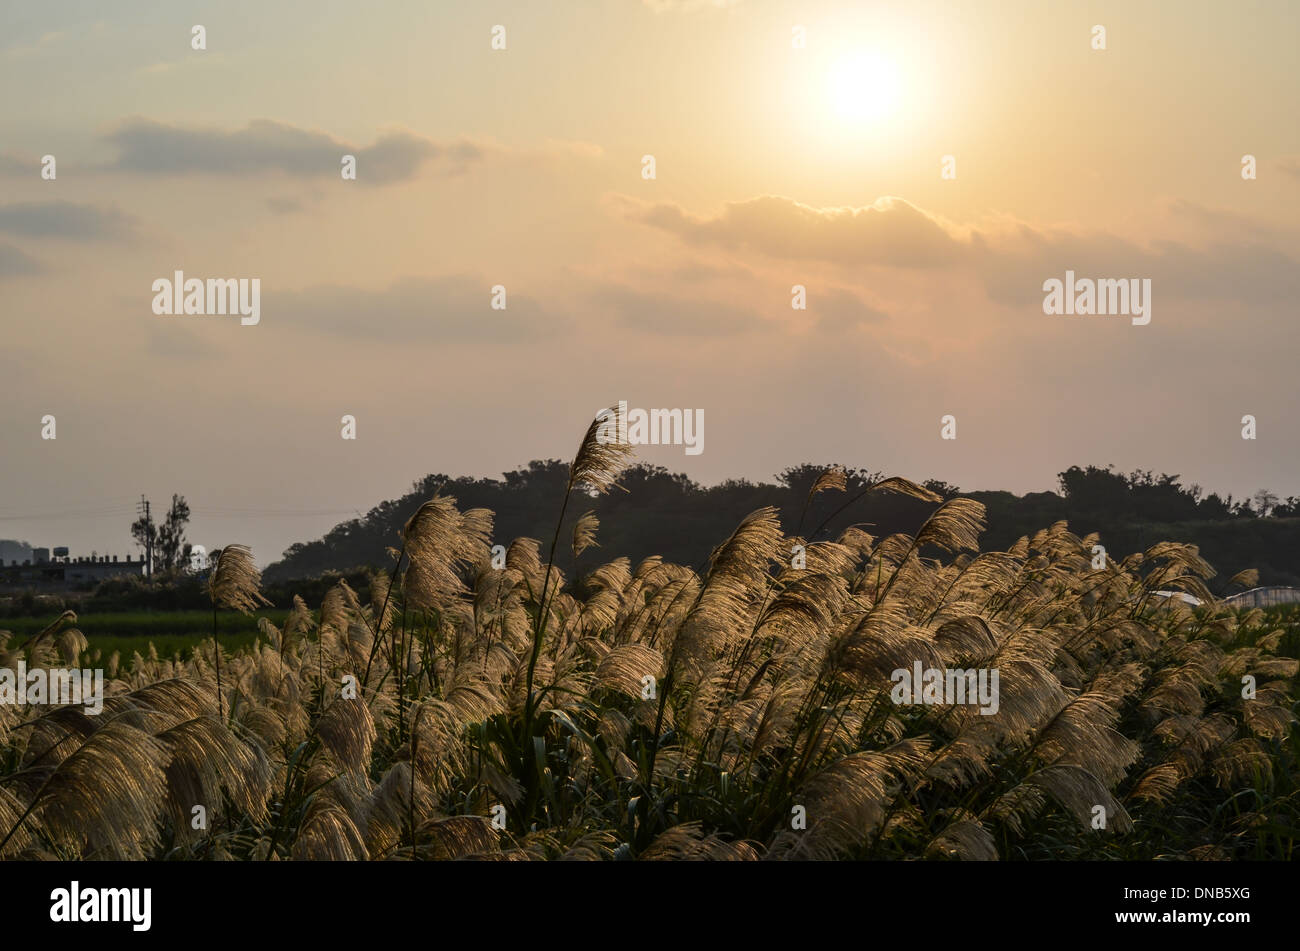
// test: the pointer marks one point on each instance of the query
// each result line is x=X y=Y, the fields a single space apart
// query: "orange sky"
x=776 y=165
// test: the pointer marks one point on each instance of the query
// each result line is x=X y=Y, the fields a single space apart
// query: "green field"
x=171 y=632
x=176 y=632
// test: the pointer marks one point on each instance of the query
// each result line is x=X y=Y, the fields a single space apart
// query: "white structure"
x=1265 y=597
x=1182 y=596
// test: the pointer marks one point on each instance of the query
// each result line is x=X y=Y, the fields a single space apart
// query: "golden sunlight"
x=864 y=87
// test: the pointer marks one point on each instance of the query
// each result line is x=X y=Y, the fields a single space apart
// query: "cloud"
x=1012 y=259
x=265 y=146
x=889 y=231
x=65 y=219
x=14 y=263
x=454 y=308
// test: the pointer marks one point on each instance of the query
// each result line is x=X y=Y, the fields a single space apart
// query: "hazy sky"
x=775 y=165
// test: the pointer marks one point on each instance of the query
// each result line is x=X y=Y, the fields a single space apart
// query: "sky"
x=920 y=169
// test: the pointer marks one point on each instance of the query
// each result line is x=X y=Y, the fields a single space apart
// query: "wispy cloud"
x=454 y=308
x=888 y=231
x=66 y=220
x=149 y=147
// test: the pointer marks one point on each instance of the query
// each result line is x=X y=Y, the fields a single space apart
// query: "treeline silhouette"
x=668 y=514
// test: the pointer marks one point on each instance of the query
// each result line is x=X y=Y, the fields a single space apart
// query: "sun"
x=864 y=87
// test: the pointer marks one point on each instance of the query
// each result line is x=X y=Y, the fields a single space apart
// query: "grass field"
x=175 y=633
x=462 y=708
x=171 y=632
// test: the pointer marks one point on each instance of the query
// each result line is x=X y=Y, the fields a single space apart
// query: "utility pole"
x=143 y=508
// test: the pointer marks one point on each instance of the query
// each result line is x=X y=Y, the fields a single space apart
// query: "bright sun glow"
x=864 y=88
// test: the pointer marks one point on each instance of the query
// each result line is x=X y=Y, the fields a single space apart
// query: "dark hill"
x=667 y=514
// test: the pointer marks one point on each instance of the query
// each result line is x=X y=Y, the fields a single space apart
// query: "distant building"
x=64 y=571
x=1265 y=597
x=14 y=552
x=82 y=570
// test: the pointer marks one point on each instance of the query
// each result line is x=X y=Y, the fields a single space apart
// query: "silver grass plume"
x=599 y=460
x=235 y=581
x=584 y=532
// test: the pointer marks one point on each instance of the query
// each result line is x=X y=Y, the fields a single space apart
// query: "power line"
x=268 y=513
x=65 y=514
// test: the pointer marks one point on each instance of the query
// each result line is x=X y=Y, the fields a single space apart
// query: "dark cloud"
x=148 y=147
x=64 y=219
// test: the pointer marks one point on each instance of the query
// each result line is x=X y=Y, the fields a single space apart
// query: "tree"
x=1265 y=502
x=173 y=550
x=1095 y=490
x=145 y=533
x=939 y=487
x=1213 y=507
x=167 y=541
